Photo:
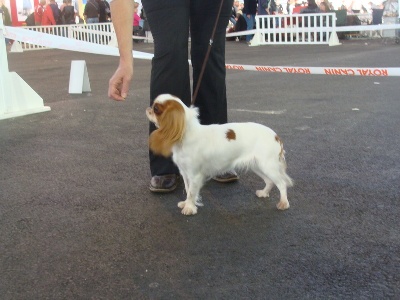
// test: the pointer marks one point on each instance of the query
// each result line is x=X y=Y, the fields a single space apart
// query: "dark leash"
x=203 y=67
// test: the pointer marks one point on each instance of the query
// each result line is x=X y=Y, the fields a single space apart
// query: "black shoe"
x=164 y=183
x=230 y=176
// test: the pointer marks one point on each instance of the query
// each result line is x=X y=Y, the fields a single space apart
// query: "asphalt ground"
x=77 y=220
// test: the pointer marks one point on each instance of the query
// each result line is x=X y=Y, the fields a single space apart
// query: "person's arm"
x=122 y=18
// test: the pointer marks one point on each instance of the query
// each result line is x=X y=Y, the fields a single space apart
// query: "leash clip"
x=211 y=42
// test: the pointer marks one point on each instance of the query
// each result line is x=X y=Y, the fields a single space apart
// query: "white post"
x=17 y=98
x=78 y=78
x=333 y=39
x=256 y=40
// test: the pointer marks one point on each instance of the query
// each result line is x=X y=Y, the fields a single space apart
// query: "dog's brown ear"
x=157 y=144
x=171 y=122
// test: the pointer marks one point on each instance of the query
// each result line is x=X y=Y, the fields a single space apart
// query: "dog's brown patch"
x=230 y=135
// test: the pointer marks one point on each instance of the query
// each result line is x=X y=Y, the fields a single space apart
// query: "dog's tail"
x=282 y=160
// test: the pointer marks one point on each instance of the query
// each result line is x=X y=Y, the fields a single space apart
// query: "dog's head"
x=168 y=114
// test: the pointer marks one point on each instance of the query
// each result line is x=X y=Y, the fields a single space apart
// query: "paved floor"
x=77 y=220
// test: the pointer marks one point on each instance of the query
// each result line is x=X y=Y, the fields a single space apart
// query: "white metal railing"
x=296 y=28
x=98 y=33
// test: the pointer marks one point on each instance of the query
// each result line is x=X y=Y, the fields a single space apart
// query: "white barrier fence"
x=295 y=29
x=97 y=33
x=306 y=29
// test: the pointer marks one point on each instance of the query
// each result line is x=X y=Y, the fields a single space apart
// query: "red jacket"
x=48 y=17
x=39 y=10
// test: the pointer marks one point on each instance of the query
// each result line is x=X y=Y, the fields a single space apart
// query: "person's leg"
x=250 y=26
x=211 y=98
x=169 y=23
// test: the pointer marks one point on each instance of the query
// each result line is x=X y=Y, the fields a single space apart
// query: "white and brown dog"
x=204 y=151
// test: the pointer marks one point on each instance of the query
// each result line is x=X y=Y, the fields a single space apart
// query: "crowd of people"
x=272 y=7
x=48 y=12
x=244 y=12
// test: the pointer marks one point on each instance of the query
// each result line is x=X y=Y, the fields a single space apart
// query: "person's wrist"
x=128 y=59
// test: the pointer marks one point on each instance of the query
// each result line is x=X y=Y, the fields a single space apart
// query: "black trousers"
x=170 y=22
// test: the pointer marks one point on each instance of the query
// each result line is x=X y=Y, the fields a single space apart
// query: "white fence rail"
x=311 y=29
x=295 y=29
x=98 y=33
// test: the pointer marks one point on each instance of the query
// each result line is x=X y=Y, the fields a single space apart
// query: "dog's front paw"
x=262 y=194
x=187 y=208
x=282 y=205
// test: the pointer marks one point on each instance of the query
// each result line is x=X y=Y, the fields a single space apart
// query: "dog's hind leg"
x=277 y=176
x=268 y=185
x=283 y=202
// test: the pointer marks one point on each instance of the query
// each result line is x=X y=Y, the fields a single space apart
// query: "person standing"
x=104 y=10
x=170 y=68
x=6 y=14
x=91 y=12
x=56 y=12
x=6 y=18
x=263 y=7
x=249 y=13
x=136 y=17
x=48 y=16
x=137 y=29
x=68 y=12
x=39 y=11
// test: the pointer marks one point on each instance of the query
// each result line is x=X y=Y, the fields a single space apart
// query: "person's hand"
x=118 y=86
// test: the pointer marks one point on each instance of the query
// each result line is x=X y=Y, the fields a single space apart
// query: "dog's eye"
x=156 y=109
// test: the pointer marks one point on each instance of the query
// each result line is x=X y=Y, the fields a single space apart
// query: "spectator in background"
x=236 y=6
x=136 y=17
x=249 y=14
x=235 y=10
x=6 y=14
x=91 y=12
x=233 y=16
x=68 y=12
x=263 y=7
x=240 y=25
x=6 y=18
x=298 y=6
x=311 y=8
x=39 y=11
x=137 y=29
x=56 y=12
x=48 y=16
x=324 y=8
x=146 y=26
x=272 y=7
x=104 y=11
